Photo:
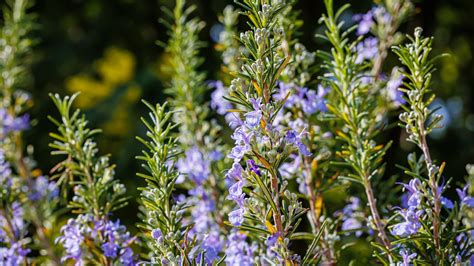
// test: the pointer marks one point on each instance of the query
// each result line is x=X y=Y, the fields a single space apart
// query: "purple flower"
x=393 y=85
x=253 y=118
x=366 y=21
x=309 y=101
x=447 y=203
x=295 y=139
x=114 y=240
x=253 y=167
x=42 y=188
x=238 y=252
x=71 y=238
x=215 y=155
x=315 y=101
x=411 y=225
x=212 y=245
x=414 y=195
x=236 y=217
x=352 y=217
x=272 y=239
x=194 y=165
x=407 y=257
x=236 y=194
x=156 y=234
x=218 y=103
x=238 y=152
x=10 y=124
x=464 y=197
x=5 y=170
x=14 y=255
x=235 y=173
x=110 y=249
x=367 y=50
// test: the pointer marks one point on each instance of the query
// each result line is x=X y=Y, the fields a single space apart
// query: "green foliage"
x=187 y=87
x=96 y=192
x=164 y=231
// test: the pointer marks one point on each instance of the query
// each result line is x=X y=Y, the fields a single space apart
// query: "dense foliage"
x=242 y=170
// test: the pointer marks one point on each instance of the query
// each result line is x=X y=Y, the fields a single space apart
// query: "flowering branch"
x=96 y=193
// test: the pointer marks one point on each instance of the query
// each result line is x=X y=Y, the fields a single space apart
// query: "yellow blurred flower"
x=117 y=67
x=92 y=91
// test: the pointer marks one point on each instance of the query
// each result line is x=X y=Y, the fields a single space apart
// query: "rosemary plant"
x=353 y=106
x=424 y=217
x=165 y=233
x=91 y=236
x=27 y=199
x=272 y=212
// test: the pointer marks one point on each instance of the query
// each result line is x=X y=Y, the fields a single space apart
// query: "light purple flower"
x=411 y=225
x=447 y=203
x=414 y=194
x=238 y=252
x=14 y=255
x=194 y=165
x=464 y=197
x=367 y=49
x=407 y=257
x=293 y=138
x=366 y=21
x=156 y=234
x=10 y=124
x=235 y=173
x=236 y=194
x=5 y=170
x=218 y=103
x=393 y=85
x=236 y=217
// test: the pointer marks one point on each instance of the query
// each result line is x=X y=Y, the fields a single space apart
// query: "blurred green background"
x=106 y=49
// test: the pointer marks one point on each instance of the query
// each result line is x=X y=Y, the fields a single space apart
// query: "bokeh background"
x=107 y=50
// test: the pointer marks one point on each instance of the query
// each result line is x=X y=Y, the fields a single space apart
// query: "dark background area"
x=73 y=35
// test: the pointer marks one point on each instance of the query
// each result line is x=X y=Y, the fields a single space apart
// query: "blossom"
x=236 y=217
x=407 y=257
x=238 y=252
x=272 y=239
x=253 y=118
x=236 y=194
x=218 y=103
x=411 y=225
x=253 y=167
x=194 y=165
x=71 y=238
x=411 y=215
x=235 y=172
x=366 y=21
x=393 y=85
x=414 y=195
x=111 y=237
x=447 y=203
x=310 y=101
x=352 y=217
x=367 y=49
x=14 y=255
x=5 y=170
x=156 y=234
x=292 y=137
x=42 y=188
x=464 y=197
x=315 y=101
x=9 y=123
